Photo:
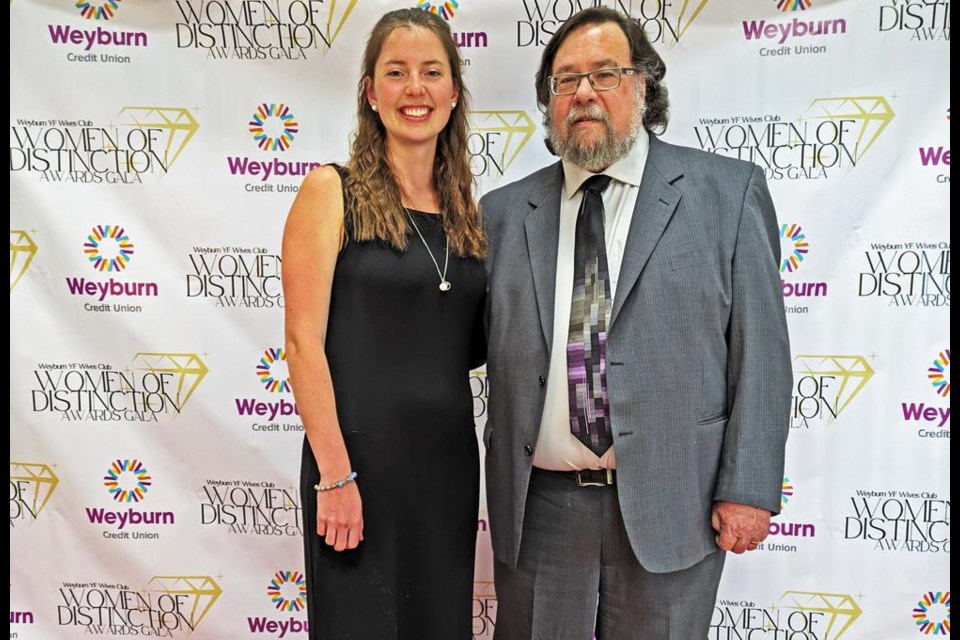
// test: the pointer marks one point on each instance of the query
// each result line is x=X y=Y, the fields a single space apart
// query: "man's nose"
x=585 y=91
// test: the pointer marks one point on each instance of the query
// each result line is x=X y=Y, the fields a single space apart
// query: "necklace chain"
x=444 y=283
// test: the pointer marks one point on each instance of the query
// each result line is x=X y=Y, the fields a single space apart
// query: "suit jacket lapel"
x=542 y=226
x=657 y=199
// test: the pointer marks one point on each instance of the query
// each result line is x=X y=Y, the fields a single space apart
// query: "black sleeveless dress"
x=400 y=351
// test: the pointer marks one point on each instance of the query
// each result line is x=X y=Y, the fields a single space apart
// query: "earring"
x=373 y=106
x=453 y=105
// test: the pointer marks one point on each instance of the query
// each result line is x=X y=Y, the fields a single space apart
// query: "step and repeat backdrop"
x=155 y=149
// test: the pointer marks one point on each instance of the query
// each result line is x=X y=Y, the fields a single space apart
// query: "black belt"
x=586 y=477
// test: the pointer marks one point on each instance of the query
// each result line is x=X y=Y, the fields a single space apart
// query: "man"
x=638 y=360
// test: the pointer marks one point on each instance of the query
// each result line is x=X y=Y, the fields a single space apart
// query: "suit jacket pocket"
x=685 y=259
x=719 y=417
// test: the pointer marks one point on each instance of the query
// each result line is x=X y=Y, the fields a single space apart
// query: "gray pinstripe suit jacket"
x=698 y=359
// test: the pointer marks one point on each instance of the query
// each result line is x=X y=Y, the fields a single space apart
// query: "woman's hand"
x=340 y=517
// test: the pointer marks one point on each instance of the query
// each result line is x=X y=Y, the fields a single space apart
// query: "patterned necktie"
x=589 y=316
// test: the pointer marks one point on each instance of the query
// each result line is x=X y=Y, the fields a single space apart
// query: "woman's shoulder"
x=325 y=179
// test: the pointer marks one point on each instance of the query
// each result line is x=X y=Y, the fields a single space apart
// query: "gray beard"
x=604 y=152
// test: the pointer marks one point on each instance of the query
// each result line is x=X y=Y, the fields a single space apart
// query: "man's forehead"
x=593 y=46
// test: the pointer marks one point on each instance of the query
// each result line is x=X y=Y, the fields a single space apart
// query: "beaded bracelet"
x=339 y=484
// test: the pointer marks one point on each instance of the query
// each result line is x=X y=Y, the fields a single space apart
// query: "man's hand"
x=739 y=527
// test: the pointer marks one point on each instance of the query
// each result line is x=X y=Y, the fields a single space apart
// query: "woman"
x=384 y=290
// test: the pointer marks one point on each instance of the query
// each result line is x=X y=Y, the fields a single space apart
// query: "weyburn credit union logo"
x=288 y=593
x=443 y=9
x=108 y=248
x=927 y=413
x=98 y=10
x=272 y=371
x=793 y=5
x=22 y=251
x=794 y=248
x=939 y=373
x=31 y=486
x=127 y=480
x=273 y=127
x=797 y=247
x=932 y=613
x=281 y=127
x=273 y=375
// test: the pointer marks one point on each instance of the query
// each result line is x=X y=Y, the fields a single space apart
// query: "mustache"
x=588 y=112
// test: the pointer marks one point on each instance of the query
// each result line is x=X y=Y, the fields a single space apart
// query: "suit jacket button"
x=541 y=381
x=527 y=449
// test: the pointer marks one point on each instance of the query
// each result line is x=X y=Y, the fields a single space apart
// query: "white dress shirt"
x=557 y=448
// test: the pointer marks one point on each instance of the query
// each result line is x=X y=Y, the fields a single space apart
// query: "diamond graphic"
x=331 y=17
x=518 y=126
x=176 y=122
x=22 y=250
x=853 y=372
x=188 y=366
x=203 y=590
x=43 y=479
x=686 y=4
x=840 y=608
x=872 y=113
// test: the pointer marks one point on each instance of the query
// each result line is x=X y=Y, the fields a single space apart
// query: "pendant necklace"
x=444 y=283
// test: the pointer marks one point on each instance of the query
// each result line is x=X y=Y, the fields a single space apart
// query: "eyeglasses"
x=565 y=84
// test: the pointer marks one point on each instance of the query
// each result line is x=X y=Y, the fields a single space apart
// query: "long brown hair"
x=373 y=207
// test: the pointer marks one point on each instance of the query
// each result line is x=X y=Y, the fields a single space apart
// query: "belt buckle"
x=587 y=483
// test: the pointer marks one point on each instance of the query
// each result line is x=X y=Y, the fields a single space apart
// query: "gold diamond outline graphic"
x=343 y=18
x=682 y=29
x=20 y=243
x=836 y=604
x=512 y=122
x=196 y=586
x=854 y=108
x=38 y=474
x=183 y=364
x=170 y=119
x=836 y=368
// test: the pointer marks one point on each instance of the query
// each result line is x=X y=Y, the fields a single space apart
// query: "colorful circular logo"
x=786 y=492
x=274 y=127
x=939 y=374
x=127 y=473
x=793 y=5
x=288 y=591
x=922 y=613
x=98 y=10
x=442 y=9
x=793 y=256
x=108 y=248
x=271 y=380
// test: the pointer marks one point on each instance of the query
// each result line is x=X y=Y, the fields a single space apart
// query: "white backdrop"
x=155 y=148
